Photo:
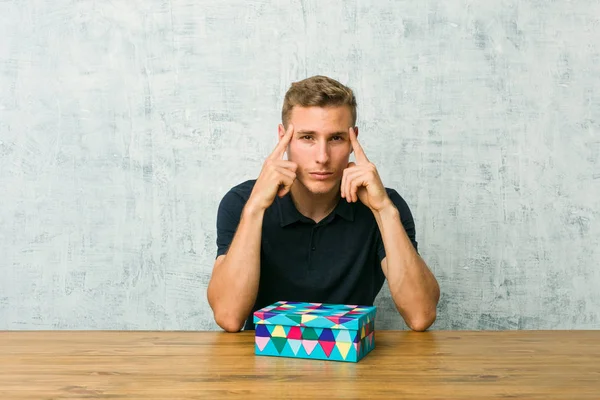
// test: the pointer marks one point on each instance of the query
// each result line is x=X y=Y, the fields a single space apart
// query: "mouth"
x=321 y=175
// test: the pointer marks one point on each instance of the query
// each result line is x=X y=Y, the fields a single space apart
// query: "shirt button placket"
x=312 y=247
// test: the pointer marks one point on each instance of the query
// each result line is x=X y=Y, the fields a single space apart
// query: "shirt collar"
x=289 y=214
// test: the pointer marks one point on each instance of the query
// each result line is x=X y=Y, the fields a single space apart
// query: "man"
x=313 y=227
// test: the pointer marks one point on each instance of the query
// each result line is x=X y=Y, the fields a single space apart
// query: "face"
x=320 y=146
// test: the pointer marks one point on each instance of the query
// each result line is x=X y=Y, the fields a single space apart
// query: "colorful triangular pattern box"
x=336 y=332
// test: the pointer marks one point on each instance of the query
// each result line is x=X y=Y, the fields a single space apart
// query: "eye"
x=335 y=138
x=306 y=137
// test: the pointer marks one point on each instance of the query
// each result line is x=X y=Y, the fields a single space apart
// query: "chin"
x=320 y=187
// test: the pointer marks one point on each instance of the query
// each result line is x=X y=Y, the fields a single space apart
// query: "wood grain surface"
x=212 y=365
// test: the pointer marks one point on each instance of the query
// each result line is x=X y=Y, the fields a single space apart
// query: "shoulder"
x=406 y=217
x=399 y=202
x=237 y=196
x=240 y=191
x=243 y=189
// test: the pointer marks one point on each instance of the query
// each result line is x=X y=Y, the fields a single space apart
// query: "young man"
x=313 y=227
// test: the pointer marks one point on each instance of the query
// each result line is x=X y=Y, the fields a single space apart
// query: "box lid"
x=315 y=315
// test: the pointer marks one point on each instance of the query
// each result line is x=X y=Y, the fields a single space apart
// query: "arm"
x=413 y=287
x=233 y=286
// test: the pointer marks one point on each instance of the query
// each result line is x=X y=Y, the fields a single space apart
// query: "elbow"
x=225 y=320
x=424 y=318
x=229 y=324
x=421 y=322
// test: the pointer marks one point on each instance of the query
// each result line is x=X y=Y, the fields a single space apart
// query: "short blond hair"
x=317 y=91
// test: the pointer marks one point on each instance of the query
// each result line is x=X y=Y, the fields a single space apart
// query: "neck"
x=314 y=206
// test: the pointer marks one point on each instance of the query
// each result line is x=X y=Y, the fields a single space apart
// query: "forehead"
x=319 y=119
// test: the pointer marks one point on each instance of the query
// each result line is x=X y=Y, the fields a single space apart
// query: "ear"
x=280 y=131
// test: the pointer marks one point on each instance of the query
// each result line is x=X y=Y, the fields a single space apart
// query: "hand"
x=361 y=181
x=276 y=176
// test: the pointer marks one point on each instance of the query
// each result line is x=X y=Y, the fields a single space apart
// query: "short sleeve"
x=407 y=221
x=228 y=218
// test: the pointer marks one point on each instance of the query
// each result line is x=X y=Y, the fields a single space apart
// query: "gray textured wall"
x=123 y=123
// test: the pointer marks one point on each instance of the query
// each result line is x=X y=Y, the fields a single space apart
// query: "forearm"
x=233 y=287
x=413 y=286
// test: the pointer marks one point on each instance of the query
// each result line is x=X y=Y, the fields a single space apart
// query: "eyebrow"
x=303 y=132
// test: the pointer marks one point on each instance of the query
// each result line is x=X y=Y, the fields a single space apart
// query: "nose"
x=323 y=152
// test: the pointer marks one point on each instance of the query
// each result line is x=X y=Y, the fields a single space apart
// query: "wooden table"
x=210 y=365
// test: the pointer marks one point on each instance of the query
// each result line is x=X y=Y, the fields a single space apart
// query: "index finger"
x=283 y=143
x=359 y=153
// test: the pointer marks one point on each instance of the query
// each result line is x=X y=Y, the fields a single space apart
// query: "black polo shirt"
x=337 y=260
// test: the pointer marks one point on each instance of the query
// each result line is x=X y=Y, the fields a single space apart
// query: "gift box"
x=336 y=332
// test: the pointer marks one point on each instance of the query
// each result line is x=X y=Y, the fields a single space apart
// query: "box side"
x=366 y=335
x=307 y=342
x=365 y=345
